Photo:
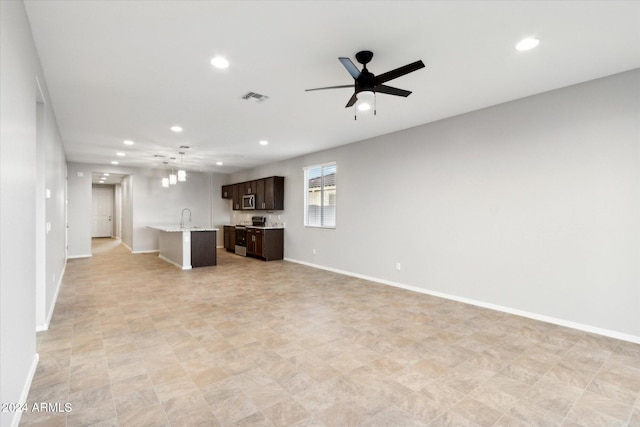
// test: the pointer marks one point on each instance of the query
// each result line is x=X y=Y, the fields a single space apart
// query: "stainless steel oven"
x=241 y=240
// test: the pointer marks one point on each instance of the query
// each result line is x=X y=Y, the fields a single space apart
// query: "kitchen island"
x=187 y=247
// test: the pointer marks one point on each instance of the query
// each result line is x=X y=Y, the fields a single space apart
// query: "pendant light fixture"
x=173 y=179
x=182 y=174
x=165 y=182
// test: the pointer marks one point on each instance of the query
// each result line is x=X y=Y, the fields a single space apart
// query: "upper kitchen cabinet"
x=273 y=193
x=227 y=191
x=259 y=192
x=237 y=197
x=269 y=193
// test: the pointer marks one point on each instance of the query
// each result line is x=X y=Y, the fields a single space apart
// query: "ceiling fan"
x=365 y=81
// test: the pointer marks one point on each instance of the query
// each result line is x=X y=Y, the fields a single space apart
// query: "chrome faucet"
x=182 y=217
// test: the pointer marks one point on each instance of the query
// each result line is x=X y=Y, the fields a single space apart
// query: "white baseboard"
x=561 y=322
x=153 y=251
x=126 y=246
x=79 y=256
x=25 y=389
x=183 y=267
x=40 y=328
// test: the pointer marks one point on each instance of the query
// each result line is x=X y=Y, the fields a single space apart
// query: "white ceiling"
x=121 y=70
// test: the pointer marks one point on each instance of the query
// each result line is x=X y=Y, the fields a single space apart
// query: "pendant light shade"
x=182 y=175
x=165 y=182
x=173 y=179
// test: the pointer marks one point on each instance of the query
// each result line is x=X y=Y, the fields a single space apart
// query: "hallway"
x=134 y=341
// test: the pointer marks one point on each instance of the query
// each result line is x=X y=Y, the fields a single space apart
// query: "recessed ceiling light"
x=527 y=44
x=176 y=129
x=105 y=174
x=128 y=142
x=101 y=181
x=114 y=162
x=219 y=163
x=220 y=62
x=120 y=153
x=264 y=142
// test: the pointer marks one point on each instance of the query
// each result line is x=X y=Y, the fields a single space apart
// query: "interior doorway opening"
x=106 y=206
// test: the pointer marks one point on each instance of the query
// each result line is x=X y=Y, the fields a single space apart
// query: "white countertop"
x=177 y=228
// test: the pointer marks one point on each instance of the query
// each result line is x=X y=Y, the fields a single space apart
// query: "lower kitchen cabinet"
x=203 y=248
x=230 y=238
x=266 y=244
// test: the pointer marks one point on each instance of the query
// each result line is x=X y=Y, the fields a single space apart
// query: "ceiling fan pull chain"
x=375 y=105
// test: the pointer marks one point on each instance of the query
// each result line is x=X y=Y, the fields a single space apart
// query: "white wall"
x=55 y=182
x=154 y=205
x=144 y=202
x=127 y=211
x=531 y=206
x=220 y=212
x=31 y=160
x=79 y=209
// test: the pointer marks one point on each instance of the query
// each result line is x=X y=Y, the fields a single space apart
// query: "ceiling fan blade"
x=329 y=87
x=398 y=72
x=352 y=100
x=351 y=68
x=391 y=90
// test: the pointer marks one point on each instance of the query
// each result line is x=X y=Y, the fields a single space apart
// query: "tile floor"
x=135 y=341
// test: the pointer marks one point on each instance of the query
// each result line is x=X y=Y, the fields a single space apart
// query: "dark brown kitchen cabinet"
x=203 y=248
x=237 y=197
x=251 y=187
x=273 y=194
x=266 y=244
x=230 y=238
x=269 y=193
x=254 y=242
x=259 y=187
x=227 y=191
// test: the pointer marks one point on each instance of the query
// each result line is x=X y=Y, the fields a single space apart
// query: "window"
x=320 y=196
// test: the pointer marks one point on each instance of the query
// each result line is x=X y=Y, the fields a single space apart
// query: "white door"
x=102 y=201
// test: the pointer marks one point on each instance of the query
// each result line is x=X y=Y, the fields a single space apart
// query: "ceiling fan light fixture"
x=366 y=100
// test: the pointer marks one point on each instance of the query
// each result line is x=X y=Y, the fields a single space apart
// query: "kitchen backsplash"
x=243 y=218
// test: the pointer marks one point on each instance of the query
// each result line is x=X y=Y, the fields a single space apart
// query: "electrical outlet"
x=313 y=251
x=398 y=266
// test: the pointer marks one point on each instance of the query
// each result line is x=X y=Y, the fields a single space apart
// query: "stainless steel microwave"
x=249 y=201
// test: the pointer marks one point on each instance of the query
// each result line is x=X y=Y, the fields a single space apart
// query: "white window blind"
x=320 y=195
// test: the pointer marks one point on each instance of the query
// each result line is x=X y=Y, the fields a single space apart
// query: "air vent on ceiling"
x=253 y=96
